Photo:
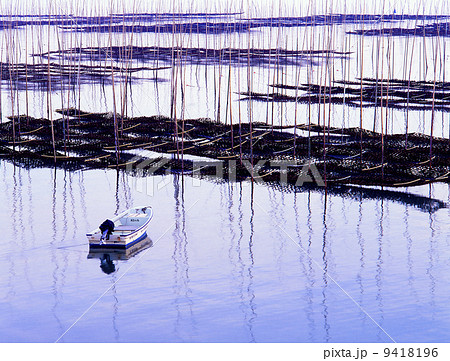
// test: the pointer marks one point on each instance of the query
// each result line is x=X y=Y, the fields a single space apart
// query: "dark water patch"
x=339 y=19
x=156 y=17
x=7 y=22
x=238 y=24
x=429 y=30
x=302 y=99
x=72 y=22
x=426 y=204
x=204 y=56
x=187 y=28
x=390 y=93
x=54 y=76
x=360 y=193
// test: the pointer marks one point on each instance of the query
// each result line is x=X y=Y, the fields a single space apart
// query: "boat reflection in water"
x=107 y=256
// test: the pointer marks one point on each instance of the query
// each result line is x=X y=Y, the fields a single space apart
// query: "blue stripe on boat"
x=118 y=246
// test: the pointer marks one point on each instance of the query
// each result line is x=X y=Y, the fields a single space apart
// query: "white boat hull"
x=130 y=227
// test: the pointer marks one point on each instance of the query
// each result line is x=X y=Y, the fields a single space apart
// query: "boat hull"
x=118 y=244
x=120 y=254
x=130 y=227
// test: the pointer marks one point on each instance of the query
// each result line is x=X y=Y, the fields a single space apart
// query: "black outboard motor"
x=107 y=228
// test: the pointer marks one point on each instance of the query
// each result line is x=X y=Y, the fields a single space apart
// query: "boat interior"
x=133 y=220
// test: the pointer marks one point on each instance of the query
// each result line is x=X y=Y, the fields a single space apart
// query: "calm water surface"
x=228 y=262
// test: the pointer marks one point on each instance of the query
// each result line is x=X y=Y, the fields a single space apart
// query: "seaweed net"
x=345 y=156
x=389 y=93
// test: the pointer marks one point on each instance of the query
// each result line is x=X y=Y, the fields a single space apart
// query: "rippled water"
x=228 y=262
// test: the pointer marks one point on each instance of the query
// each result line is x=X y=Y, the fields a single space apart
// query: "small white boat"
x=129 y=228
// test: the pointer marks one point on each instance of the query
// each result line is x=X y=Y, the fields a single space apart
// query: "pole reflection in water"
x=306 y=263
x=65 y=227
x=234 y=251
x=311 y=275
x=14 y=245
x=241 y=270
x=30 y=210
x=432 y=257
x=128 y=197
x=409 y=257
x=361 y=243
x=115 y=308
x=326 y=325
x=73 y=210
x=56 y=287
x=379 y=271
x=250 y=292
x=82 y=200
x=184 y=326
x=64 y=207
x=123 y=196
x=277 y=213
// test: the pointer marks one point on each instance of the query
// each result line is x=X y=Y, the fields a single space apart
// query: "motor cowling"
x=107 y=228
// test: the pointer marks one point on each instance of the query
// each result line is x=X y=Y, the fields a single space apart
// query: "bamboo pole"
x=229 y=95
x=437 y=43
x=70 y=62
x=297 y=81
x=361 y=94
x=62 y=65
x=115 y=123
x=409 y=81
x=381 y=99
x=26 y=72
x=10 y=62
x=239 y=103
x=1 y=79
x=49 y=89
x=268 y=71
